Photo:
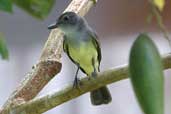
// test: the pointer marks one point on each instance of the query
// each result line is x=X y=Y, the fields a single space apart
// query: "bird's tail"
x=100 y=96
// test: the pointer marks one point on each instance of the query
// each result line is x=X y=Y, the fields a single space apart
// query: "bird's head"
x=68 y=21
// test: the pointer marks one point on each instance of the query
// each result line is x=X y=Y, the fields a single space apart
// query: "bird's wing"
x=96 y=43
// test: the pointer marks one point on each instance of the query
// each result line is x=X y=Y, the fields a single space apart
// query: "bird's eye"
x=66 y=18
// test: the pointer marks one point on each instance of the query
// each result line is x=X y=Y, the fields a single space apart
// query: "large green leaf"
x=146 y=73
x=37 y=8
x=6 y=5
x=3 y=48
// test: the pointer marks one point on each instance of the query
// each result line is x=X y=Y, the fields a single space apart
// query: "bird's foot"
x=94 y=74
x=76 y=83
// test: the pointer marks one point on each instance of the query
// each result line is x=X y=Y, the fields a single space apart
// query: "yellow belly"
x=83 y=55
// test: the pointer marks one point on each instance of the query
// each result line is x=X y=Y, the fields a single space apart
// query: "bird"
x=82 y=46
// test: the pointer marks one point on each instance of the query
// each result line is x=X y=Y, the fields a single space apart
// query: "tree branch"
x=49 y=63
x=49 y=101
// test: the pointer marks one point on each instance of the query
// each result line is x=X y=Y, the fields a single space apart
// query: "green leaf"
x=146 y=73
x=6 y=5
x=37 y=8
x=3 y=48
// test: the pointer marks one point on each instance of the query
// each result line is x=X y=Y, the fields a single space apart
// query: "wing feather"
x=96 y=43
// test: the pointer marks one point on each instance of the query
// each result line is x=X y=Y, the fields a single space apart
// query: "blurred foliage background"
x=37 y=8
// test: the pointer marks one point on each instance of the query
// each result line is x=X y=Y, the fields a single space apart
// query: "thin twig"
x=155 y=11
x=49 y=101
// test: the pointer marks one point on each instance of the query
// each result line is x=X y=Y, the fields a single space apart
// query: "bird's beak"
x=53 y=26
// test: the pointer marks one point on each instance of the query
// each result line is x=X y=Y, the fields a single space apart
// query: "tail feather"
x=100 y=96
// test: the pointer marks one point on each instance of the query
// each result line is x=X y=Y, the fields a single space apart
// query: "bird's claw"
x=76 y=83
